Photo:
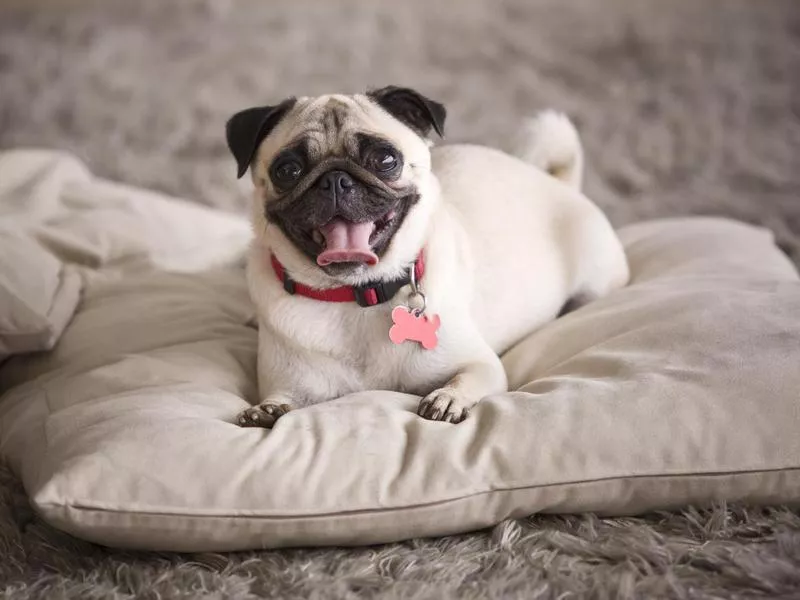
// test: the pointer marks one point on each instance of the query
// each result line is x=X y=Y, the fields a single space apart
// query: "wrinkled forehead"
x=330 y=125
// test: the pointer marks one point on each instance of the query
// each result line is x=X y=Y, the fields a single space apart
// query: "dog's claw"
x=446 y=404
x=264 y=415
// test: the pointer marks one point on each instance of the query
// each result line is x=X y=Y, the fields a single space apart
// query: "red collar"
x=369 y=294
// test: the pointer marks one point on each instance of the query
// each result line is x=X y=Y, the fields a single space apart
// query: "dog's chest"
x=354 y=346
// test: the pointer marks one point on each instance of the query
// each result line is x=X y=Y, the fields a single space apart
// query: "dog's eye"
x=381 y=160
x=285 y=171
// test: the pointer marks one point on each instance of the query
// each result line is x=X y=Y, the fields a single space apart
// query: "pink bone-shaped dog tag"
x=417 y=328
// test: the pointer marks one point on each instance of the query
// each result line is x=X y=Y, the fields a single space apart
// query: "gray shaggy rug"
x=685 y=107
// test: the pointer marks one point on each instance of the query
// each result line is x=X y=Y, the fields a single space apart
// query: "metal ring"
x=417 y=311
x=413 y=276
x=415 y=291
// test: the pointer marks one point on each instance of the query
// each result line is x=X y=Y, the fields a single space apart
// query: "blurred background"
x=685 y=107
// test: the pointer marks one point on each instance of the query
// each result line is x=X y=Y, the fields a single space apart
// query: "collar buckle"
x=370 y=294
x=289 y=284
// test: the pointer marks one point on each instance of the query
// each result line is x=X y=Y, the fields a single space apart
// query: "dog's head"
x=341 y=181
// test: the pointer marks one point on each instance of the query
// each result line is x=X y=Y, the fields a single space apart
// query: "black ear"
x=412 y=108
x=247 y=129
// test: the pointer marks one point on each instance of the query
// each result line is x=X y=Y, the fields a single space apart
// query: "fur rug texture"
x=685 y=107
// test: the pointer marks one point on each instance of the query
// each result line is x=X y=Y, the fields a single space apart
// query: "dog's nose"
x=336 y=182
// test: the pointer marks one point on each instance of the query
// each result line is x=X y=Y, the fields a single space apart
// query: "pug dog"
x=380 y=262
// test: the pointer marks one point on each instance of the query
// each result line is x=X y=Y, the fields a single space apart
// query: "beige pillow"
x=59 y=226
x=37 y=295
x=682 y=388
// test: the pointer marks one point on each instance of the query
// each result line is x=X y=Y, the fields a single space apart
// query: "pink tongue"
x=347 y=242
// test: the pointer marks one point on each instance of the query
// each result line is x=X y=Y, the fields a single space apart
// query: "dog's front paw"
x=445 y=404
x=264 y=415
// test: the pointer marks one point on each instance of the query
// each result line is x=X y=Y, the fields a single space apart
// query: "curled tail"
x=550 y=142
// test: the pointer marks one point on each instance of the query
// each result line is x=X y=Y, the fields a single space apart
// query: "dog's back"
x=532 y=240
